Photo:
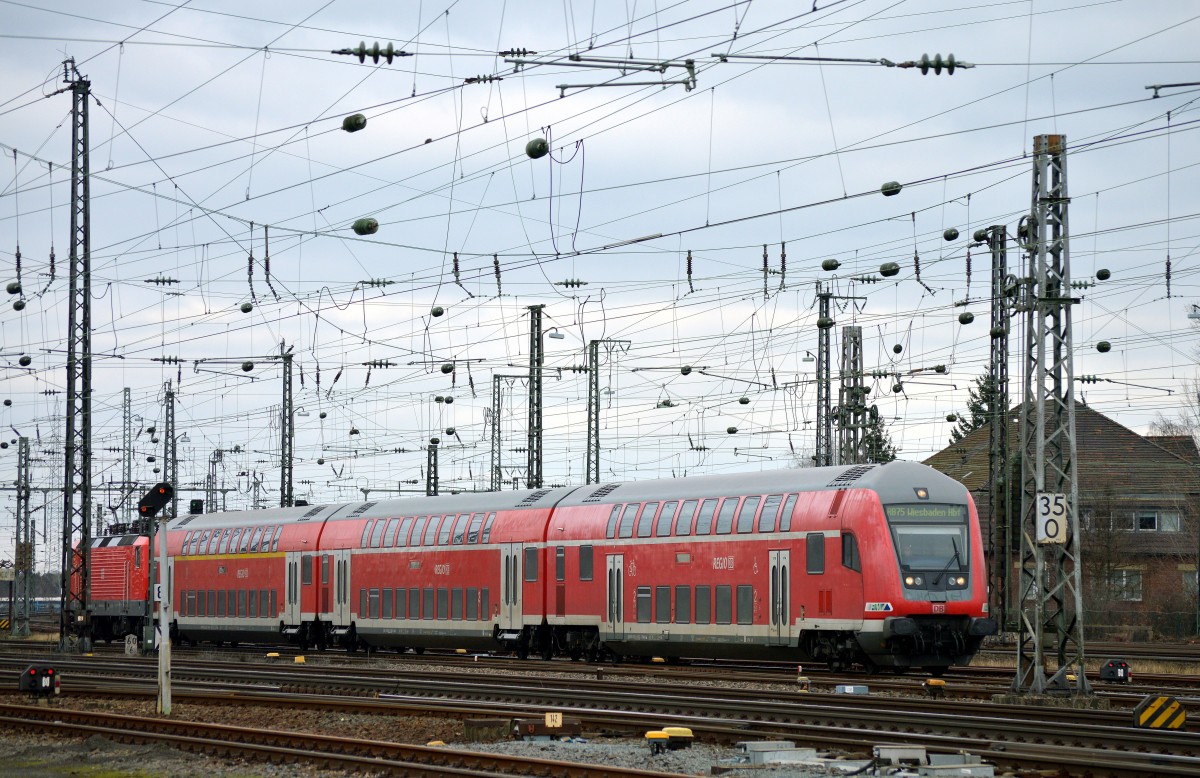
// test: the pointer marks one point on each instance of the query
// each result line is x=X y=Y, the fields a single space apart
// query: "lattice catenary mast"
x=1051 y=603
x=75 y=626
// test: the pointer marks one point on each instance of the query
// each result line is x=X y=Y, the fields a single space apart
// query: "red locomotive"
x=876 y=565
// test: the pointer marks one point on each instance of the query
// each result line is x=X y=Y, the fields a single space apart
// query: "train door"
x=325 y=587
x=341 y=611
x=291 y=599
x=780 y=622
x=616 y=596
x=510 y=608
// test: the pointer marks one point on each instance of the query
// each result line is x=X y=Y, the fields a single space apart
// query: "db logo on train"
x=939 y=607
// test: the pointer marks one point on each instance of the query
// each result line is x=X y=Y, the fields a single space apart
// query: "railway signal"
x=155 y=500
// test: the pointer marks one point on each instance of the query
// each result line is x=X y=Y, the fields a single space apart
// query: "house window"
x=1156 y=521
x=1126 y=585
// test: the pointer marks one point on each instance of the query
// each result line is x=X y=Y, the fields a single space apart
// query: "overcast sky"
x=211 y=119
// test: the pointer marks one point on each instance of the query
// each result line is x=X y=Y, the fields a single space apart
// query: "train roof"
x=894 y=482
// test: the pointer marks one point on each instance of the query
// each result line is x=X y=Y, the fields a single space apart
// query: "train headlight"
x=961 y=581
x=913 y=580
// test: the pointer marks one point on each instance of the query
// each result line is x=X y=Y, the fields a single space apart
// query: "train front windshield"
x=929 y=537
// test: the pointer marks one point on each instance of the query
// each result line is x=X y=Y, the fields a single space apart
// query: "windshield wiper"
x=950 y=561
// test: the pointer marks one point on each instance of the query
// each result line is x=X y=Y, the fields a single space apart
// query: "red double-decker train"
x=875 y=565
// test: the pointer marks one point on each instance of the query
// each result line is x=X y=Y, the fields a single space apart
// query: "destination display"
x=925 y=512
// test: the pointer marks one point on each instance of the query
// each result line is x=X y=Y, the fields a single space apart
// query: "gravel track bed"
x=44 y=756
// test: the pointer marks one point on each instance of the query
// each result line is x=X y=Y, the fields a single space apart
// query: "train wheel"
x=575 y=653
x=419 y=650
x=522 y=652
x=870 y=666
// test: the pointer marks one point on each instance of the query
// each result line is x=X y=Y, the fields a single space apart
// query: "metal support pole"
x=533 y=474
x=431 y=468
x=287 y=437
x=22 y=584
x=852 y=408
x=127 y=457
x=496 y=479
x=170 y=449
x=1051 y=571
x=592 y=466
x=824 y=453
x=999 y=463
x=75 y=626
x=164 y=621
x=592 y=469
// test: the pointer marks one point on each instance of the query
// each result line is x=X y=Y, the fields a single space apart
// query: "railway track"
x=301 y=747
x=1020 y=736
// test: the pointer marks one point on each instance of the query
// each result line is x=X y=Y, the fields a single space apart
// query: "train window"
x=389 y=537
x=745 y=604
x=560 y=563
x=196 y=543
x=705 y=516
x=785 y=516
x=531 y=560
x=473 y=531
x=472 y=604
x=245 y=541
x=402 y=535
x=306 y=570
x=137 y=556
x=745 y=519
x=683 y=604
x=725 y=517
x=187 y=539
x=262 y=604
x=401 y=602
x=770 y=512
x=232 y=596
x=443 y=603
x=252 y=608
x=725 y=604
x=850 y=556
x=662 y=604
x=414 y=603
x=362 y=603
x=221 y=603
x=703 y=605
x=377 y=533
x=485 y=606
x=213 y=542
x=386 y=604
x=683 y=527
x=643 y=604
x=275 y=540
x=625 y=530
x=200 y=603
x=611 y=532
x=418 y=530
x=274 y=606
x=585 y=563
x=456 y=604
x=645 y=524
x=255 y=539
x=241 y=611
x=224 y=547
x=427 y=603
x=212 y=602
x=460 y=528
x=204 y=541
x=487 y=528
x=444 y=534
x=362 y=543
x=431 y=531
x=373 y=603
x=816 y=553
x=663 y=527
x=325 y=569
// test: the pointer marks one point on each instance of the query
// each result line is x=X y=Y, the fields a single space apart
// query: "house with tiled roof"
x=1139 y=501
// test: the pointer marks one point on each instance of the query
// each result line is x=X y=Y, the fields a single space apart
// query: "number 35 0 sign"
x=1051 y=519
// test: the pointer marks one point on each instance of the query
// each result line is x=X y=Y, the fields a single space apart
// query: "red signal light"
x=33 y=671
x=50 y=671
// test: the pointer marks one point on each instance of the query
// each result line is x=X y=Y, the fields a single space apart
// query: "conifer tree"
x=980 y=399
